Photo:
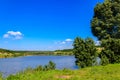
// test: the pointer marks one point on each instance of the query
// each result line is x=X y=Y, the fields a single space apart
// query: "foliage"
x=85 y=52
x=49 y=66
x=106 y=27
x=111 y=51
x=65 y=50
x=106 y=21
x=109 y=72
x=38 y=68
x=5 y=51
x=0 y=76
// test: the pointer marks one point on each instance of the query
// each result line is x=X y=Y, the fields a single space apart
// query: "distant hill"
x=5 y=51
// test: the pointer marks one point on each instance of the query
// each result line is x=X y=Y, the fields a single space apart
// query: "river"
x=13 y=65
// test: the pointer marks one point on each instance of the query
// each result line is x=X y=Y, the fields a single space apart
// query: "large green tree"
x=85 y=52
x=106 y=20
x=105 y=26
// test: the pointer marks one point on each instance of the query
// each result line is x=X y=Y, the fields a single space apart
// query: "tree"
x=106 y=20
x=85 y=52
x=105 y=26
x=111 y=51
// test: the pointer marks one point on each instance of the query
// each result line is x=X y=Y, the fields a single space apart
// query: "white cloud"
x=68 y=40
x=64 y=42
x=6 y=36
x=13 y=35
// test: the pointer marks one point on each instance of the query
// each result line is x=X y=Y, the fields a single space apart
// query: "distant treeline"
x=12 y=53
x=64 y=52
x=5 y=51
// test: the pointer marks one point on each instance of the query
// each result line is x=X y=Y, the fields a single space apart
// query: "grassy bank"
x=109 y=72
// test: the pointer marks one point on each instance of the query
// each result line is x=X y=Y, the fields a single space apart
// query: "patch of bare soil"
x=63 y=76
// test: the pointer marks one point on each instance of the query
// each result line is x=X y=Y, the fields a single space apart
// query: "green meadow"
x=109 y=72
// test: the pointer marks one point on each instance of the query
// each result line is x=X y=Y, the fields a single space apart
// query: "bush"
x=49 y=66
x=85 y=52
x=39 y=68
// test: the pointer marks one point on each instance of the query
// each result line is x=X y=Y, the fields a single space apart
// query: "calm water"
x=13 y=65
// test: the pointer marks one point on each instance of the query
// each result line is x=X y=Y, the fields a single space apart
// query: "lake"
x=13 y=65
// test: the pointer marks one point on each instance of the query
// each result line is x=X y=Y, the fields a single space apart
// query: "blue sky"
x=44 y=24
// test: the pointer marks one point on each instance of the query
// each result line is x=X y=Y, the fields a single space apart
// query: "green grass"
x=109 y=72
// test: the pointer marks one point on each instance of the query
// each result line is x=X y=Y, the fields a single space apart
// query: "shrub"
x=49 y=66
x=85 y=52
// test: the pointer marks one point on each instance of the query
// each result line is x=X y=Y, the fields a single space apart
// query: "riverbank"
x=4 y=53
x=109 y=72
